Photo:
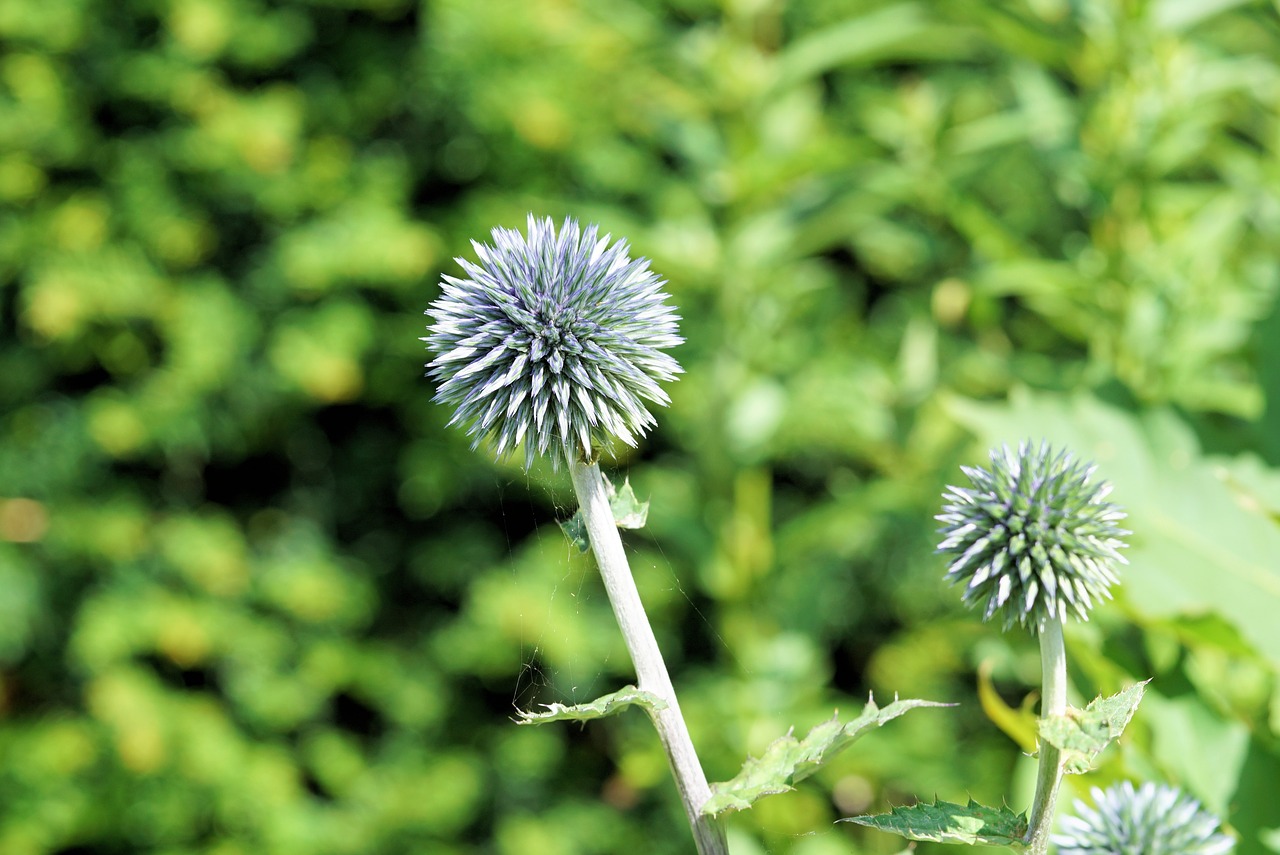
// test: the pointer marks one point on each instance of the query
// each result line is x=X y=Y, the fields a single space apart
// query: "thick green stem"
x=1053 y=664
x=651 y=670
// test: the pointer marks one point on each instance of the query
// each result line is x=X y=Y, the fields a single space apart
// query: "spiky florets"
x=553 y=340
x=1033 y=538
x=1148 y=821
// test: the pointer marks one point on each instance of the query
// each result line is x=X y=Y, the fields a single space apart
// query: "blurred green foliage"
x=254 y=598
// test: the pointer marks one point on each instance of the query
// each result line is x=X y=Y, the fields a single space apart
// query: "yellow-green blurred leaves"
x=149 y=621
x=33 y=113
x=116 y=424
x=361 y=243
x=255 y=600
x=69 y=291
x=57 y=26
x=201 y=28
x=209 y=335
x=131 y=707
x=316 y=590
x=20 y=178
x=318 y=350
x=549 y=598
x=80 y=223
x=208 y=551
x=20 y=601
x=260 y=131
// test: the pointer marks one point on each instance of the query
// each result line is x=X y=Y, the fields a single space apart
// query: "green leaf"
x=1020 y=724
x=599 y=708
x=899 y=31
x=1181 y=15
x=628 y=512
x=1083 y=734
x=576 y=530
x=788 y=760
x=1208 y=751
x=944 y=822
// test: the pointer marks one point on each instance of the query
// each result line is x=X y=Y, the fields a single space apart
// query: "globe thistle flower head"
x=553 y=339
x=1151 y=820
x=1033 y=538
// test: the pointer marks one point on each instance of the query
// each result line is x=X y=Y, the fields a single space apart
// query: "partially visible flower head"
x=1034 y=538
x=1148 y=821
x=554 y=340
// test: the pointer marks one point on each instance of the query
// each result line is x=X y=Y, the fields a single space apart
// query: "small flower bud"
x=1033 y=539
x=553 y=340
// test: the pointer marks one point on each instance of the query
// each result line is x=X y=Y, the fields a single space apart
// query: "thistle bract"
x=553 y=340
x=1151 y=820
x=1033 y=538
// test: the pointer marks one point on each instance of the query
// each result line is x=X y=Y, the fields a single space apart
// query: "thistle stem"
x=651 y=670
x=1053 y=664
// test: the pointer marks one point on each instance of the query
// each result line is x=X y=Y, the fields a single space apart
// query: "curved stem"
x=651 y=670
x=1053 y=664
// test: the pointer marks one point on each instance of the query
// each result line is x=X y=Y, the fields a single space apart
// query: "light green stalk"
x=651 y=670
x=1053 y=664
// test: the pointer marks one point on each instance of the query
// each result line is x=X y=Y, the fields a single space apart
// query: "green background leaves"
x=254 y=598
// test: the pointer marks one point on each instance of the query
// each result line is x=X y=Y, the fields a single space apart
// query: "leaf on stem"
x=788 y=760
x=628 y=512
x=1081 y=735
x=944 y=822
x=599 y=708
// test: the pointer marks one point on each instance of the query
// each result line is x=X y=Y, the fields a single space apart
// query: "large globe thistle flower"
x=1151 y=820
x=554 y=340
x=1033 y=538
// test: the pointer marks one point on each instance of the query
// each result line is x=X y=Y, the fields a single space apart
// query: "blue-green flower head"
x=1033 y=538
x=1151 y=820
x=554 y=340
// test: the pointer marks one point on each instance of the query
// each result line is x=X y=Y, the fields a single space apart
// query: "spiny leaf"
x=788 y=760
x=628 y=512
x=944 y=822
x=599 y=708
x=1083 y=734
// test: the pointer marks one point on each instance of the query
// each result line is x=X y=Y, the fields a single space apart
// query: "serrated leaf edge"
x=883 y=822
x=606 y=705
x=801 y=758
x=1088 y=758
x=635 y=516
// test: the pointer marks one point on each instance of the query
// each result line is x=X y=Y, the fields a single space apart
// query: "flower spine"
x=1151 y=820
x=1033 y=538
x=553 y=340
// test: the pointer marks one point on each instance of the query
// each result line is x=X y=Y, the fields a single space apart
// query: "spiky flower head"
x=1151 y=820
x=553 y=340
x=1033 y=538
